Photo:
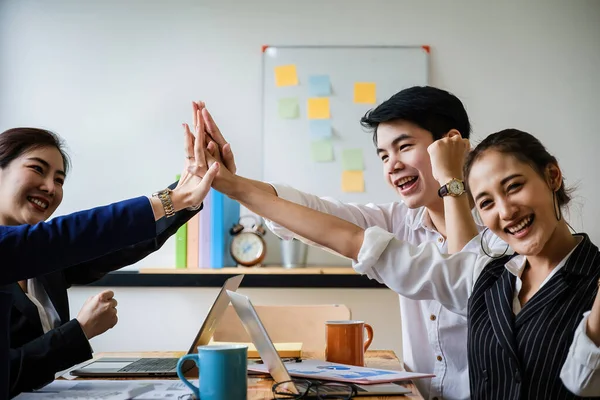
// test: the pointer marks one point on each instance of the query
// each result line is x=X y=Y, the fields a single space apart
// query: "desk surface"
x=260 y=387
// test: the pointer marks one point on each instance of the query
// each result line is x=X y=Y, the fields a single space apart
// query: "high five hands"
x=208 y=147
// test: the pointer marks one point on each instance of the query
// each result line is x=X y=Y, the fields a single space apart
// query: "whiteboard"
x=287 y=142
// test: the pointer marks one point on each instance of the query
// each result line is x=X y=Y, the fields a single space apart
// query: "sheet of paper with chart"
x=316 y=369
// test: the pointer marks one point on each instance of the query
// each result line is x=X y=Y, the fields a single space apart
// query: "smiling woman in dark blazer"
x=43 y=337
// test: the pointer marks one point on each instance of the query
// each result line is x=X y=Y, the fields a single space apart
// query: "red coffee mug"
x=346 y=342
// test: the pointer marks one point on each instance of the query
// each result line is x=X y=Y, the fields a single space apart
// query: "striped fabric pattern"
x=520 y=357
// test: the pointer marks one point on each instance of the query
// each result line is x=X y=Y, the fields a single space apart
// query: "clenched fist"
x=448 y=157
x=98 y=314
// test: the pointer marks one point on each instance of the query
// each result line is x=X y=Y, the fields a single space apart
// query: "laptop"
x=164 y=367
x=276 y=367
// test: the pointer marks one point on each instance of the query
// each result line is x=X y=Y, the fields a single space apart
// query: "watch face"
x=455 y=187
x=247 y=248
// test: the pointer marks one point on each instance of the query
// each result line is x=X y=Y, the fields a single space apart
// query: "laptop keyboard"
x=151 y=365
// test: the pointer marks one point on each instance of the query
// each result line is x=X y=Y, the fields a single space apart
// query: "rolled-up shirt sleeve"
x=581 y=371
x=419 y=272
x=363 y=215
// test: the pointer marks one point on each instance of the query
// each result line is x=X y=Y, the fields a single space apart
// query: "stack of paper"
x=110 y=390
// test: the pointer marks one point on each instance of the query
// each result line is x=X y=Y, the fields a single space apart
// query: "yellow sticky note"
x=364 y=92
x=318 y=108
x=353 y=181
x=285 y=75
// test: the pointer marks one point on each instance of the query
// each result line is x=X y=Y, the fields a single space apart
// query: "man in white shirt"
x=407 y=128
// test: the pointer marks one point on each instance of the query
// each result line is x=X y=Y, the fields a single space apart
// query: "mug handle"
x=369 y=339
x=194 y=358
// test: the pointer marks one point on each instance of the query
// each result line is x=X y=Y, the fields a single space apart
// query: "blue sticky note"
x=319 y=85
x=320 y=128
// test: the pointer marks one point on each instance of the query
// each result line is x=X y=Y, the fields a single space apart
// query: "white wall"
x=115 y=79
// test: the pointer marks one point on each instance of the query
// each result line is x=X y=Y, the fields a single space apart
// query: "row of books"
x=203 y=242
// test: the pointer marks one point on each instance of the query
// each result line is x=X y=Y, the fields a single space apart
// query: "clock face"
x=247 y=248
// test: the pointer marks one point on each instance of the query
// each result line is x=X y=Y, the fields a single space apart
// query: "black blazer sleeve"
x=32 y=250
x=5 y=306
x=35 y=364
x=94 y=270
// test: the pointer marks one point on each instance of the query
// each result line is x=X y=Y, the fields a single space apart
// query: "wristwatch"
x=455 y=187
x=165 y=199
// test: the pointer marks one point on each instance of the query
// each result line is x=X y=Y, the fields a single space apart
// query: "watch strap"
x=165 y=199
x=443 y=191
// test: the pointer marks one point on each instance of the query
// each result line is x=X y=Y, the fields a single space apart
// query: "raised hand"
x=98 y=314
x=448 y=157
x=193 y=187
x=205 y=153
x=215 y=134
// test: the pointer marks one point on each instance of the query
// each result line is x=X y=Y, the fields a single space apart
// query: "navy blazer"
x=36 y=357
x=33 y=250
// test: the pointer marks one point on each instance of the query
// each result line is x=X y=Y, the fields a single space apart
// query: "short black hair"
x=433 y=109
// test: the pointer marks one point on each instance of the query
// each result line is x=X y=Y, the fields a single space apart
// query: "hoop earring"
x=483 y=249
x=554 y=207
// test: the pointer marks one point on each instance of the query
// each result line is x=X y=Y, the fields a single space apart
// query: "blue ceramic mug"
x=222 y=370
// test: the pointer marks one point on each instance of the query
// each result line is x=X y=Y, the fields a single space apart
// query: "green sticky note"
x=352 y=160
x=289 y=108
x=321 y=150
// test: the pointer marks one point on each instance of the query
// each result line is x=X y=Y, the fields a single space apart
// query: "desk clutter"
x=223 y=370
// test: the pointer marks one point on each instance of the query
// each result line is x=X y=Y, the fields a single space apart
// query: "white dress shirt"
x=581 y=371
x=434 y=340
x=423 y=272
x=38 y=296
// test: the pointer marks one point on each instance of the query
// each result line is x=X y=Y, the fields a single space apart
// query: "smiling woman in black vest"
x=525 y=309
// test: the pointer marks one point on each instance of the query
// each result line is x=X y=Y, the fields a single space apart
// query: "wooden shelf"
x=271 y=270
x=264 y=277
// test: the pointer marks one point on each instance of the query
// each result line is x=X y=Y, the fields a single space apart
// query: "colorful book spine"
x=193 y=242
x=231 y=216
x=204 y=239
x=217 y=239
x=181 y=244
x=181 y=247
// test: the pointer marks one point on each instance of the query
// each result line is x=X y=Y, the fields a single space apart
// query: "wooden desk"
x=259 y=388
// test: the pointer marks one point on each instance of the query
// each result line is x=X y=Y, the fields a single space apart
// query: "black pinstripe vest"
x=521 y=357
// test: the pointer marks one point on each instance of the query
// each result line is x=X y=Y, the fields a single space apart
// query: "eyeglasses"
x=301 y=388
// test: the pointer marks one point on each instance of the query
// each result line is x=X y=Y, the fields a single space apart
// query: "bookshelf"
x=312 y=270
x=256 y=277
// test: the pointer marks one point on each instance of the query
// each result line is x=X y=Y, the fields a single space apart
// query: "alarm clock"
x=248 y=248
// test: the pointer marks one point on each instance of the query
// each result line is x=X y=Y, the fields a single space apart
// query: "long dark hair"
x=16 y=141
x=526 y=148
